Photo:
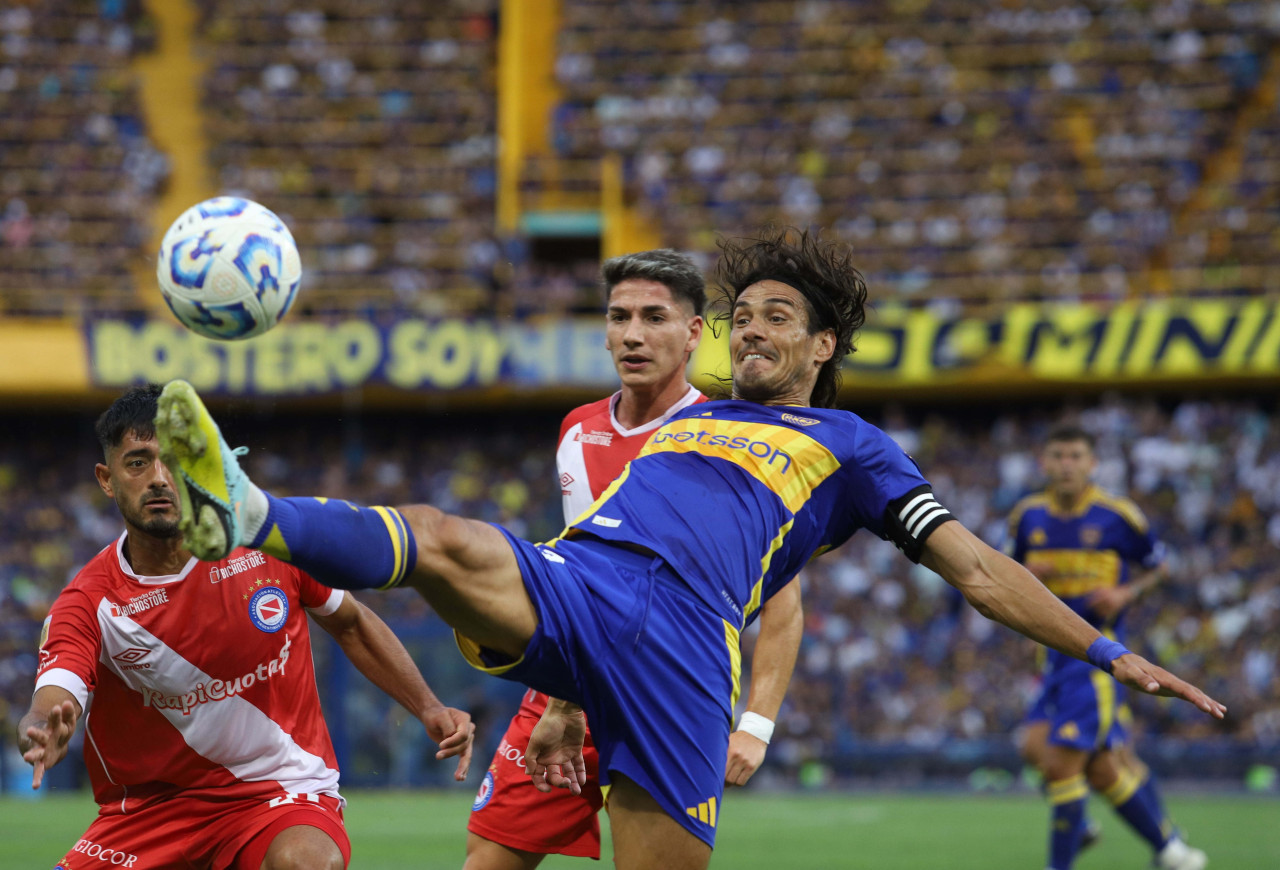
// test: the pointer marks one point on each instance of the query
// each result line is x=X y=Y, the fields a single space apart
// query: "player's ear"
x=824 y=346
x=103 y=474
x=695 y=334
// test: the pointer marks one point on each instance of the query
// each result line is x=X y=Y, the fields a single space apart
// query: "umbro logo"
x=131 y=659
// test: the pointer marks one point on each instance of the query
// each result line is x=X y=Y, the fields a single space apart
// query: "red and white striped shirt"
x=196 y=680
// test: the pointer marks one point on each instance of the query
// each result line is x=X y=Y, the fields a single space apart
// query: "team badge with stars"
x=1037 y=538
x=269 y=609
x=1090 y=536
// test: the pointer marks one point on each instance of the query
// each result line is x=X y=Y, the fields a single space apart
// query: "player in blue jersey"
x=1083 y=545
x=634 y=612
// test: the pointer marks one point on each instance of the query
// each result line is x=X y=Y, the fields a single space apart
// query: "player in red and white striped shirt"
x=204 y=738
x=654 y=315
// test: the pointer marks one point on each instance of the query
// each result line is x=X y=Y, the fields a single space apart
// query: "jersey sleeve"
x=895 y=501
x=1015 y=544
x=70 y=645
x=1141 y=545
x=316 y=597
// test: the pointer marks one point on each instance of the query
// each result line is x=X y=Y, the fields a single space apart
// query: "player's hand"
x=1108 y=602
x=554 y=758
x=746 y=754
x=49 y=743
x=455 y=732
x=1138 y=673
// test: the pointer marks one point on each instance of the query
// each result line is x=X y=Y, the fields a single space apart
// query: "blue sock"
x=338 y=543
x=1067 y=797
x=1138 y=803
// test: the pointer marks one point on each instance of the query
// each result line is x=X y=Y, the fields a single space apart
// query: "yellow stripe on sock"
x=1065 y=791
x=274 y=545
x=1123 y=788
x=397 y=548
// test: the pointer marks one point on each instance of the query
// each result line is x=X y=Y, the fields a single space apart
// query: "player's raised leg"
x=465 y=568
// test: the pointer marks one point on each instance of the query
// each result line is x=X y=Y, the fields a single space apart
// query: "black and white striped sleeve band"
x=911 y=518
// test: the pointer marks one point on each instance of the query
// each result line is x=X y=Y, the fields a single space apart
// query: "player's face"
x=1068 y=465
x=649 y=333
x=141 y=485
x=775 y=359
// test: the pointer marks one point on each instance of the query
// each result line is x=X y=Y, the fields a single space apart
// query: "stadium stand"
x=1037 y=151
x=370 y=129
x=896 y=676
x=78 y=175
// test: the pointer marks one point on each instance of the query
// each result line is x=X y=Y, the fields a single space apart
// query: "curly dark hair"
x=833 y=289
x=135 y=412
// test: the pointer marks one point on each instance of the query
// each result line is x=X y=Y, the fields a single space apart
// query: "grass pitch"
x=849 y=831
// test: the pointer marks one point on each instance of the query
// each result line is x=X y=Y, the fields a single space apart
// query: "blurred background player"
x=654 y=302
x=206 y=747
x=1081 y=541
x=633 y=615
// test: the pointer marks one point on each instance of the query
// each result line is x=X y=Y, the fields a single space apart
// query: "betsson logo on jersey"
x=216 y=690
x=762 y=450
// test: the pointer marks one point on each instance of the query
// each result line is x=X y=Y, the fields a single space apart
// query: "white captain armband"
x=911 y=518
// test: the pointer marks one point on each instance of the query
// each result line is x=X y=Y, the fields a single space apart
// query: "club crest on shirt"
x=484 y=793
x=1090 y=536
x=1037 y=538
x=268 y=609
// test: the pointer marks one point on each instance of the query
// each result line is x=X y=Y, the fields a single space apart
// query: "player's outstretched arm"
x=46 y=729
x=774 y=658
x=1003 y=590
x=553 y=758
x=378 y=654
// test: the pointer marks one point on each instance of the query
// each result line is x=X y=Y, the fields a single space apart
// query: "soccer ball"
x=229 y=268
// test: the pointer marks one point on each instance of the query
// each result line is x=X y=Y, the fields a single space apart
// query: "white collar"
x=683 y=402
x=150 y=581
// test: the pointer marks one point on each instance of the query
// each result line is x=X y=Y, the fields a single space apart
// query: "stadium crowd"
x=1078 y=150
x=891 y=656
x=78 y=174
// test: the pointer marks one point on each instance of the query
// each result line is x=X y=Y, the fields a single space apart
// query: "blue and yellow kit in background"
x=1079 y=552
x=642 y=599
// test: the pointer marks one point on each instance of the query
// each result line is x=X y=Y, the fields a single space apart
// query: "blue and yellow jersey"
x=737 y=497
x=1088 y=549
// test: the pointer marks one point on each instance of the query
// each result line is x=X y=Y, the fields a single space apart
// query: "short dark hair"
x=834 y=292
x=679 y=273
x=134 y=412
x=1070 y=432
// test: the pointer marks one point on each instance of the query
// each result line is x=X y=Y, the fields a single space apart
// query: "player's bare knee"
x=303 y=848
x=440 y=538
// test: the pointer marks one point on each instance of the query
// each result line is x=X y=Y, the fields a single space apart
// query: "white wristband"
x=756 y=725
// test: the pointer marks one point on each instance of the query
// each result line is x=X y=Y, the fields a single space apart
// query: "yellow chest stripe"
x=790 y=463
x=1072 y=573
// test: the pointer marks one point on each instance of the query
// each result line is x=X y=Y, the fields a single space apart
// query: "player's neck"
x=639 y=406
x=1068 y=502
x=150 y=556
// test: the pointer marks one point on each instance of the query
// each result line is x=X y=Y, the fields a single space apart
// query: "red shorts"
x=510 y=811
x=186 y=831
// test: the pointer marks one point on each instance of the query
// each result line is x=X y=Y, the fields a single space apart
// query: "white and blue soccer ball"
x=229 y=268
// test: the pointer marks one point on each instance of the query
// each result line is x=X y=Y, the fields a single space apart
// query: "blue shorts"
x=655 y=669
x=1085 y=708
